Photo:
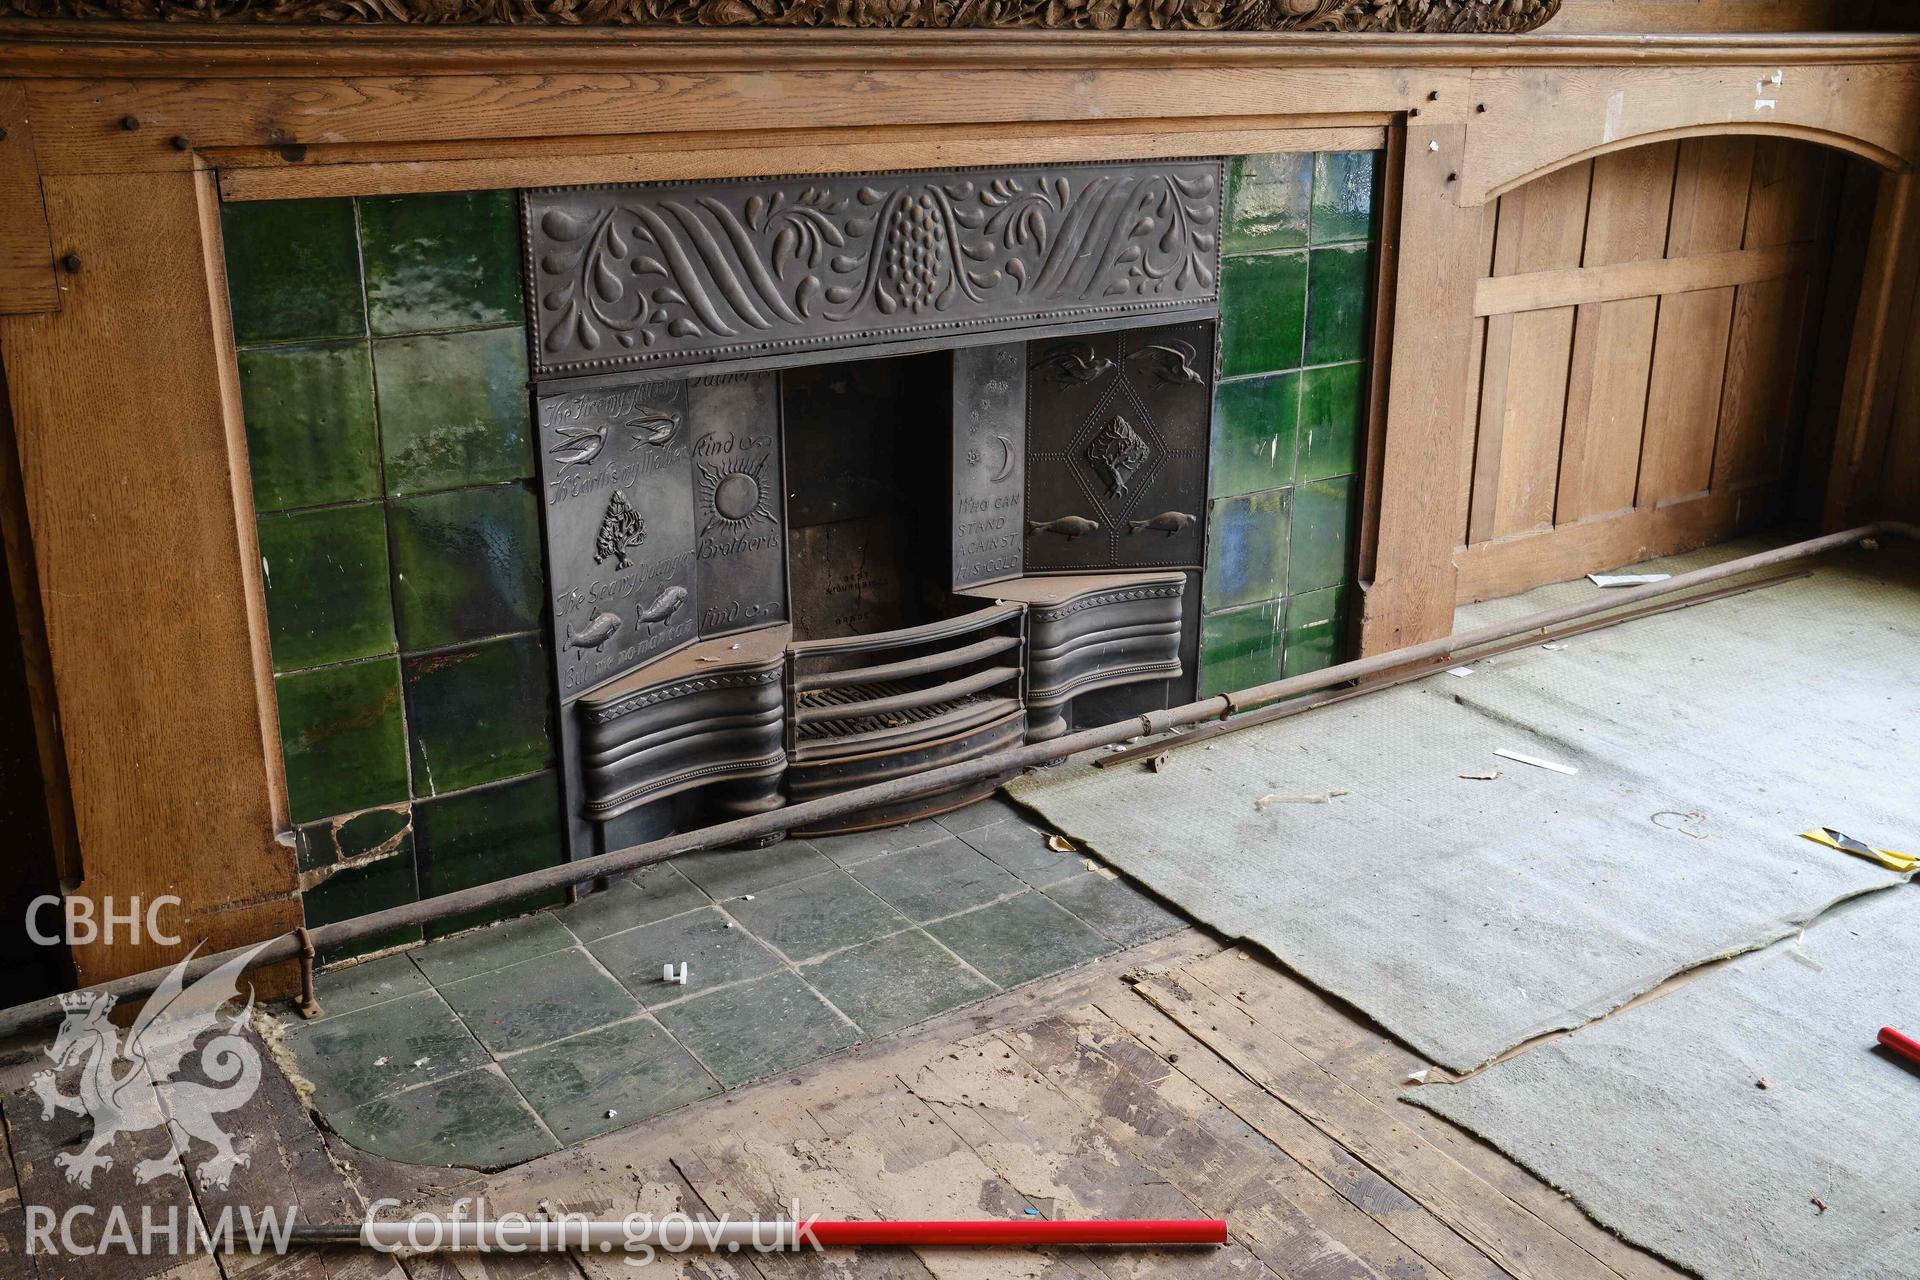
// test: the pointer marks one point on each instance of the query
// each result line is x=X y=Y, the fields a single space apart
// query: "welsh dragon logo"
x=145 y=1094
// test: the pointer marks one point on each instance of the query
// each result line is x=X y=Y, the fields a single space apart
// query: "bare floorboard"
x=1179 y=1079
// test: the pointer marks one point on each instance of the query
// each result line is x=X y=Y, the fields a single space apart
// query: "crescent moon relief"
x=1005 y=468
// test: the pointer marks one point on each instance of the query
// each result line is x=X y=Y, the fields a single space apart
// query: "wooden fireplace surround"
x=127 y=506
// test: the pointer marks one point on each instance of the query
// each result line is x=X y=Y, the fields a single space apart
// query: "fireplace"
x=851 y=478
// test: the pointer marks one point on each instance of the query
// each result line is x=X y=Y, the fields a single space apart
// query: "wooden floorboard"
x=1180 y=1079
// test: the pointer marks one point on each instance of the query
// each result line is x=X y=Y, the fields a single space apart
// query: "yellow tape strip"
x=1887 y=858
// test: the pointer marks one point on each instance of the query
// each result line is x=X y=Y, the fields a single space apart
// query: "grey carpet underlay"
x=1468 y=916
x=1654 y=1122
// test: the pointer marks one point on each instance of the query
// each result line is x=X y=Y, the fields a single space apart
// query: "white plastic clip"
x=670 y=974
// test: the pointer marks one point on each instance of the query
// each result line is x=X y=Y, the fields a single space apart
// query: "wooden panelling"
x=1524 y=392
x=26 y=256
x=133 y=469
x=1656 y=398
x=1710 y=15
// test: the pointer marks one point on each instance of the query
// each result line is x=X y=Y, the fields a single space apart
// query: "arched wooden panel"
x=1648 y=321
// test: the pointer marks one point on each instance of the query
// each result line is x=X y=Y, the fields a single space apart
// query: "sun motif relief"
x=734 y=495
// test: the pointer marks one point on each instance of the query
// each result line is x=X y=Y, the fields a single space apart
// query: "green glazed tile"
x=453 y=409
x=477 y=714
x=466 y=564
x=358 y=835
x=855 y=847
x=476 y=1120
x=1337 y=304
x=1330 y=417
x=1267 y=202
x=1247 y=551
x=1343 y=195
x=1021 y=848
x=608 y=1079
x=727 y=873
x=1240 y=648
x=497 y=946
x=715 y=950
x=1020 y=939
x=1321 y=525
x=361 y=986
x=1254 y=429
x=310 y=433
x=441 y=261
x=539 y=1001
x=293 y=270
x=651 y=893
x=937 y=880
x=382 y=1049
x=1316 y=629
x=757 y=1028
x=484 y=835
x=343 y=736
x=356 y=891
x=1262 y=313
x=1116 y=908
x=328 y=592
x=822 y=913
x=895 y=982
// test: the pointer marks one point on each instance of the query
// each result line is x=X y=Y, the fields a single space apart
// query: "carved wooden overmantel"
x=1429 y=16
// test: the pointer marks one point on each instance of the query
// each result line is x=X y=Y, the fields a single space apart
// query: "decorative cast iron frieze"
x=1457 y=16
x=660 y=274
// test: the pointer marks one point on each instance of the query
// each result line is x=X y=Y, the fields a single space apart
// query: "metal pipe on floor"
x=812 y=812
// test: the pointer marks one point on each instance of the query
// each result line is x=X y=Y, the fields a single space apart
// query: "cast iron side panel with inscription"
x=989 y=453
x=1117 y=427
x=740 y=533
x=674 y=273
x=617 y=470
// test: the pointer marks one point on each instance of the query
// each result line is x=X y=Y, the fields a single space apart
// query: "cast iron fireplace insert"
x=847 y=478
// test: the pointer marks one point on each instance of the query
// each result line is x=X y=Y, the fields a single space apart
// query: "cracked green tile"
x=1316 y=629
x=608 y=1079
x=1247 y=549
x=345 y=837
x=651 y=893
x=895 y=982
x=360 y=986
x=758 y=1028
x=1240 y=648
x=727 y=873
x=1020 y=939
x=822 y=913
x=1022 y=849
x=1343 y=187
x=476 y=1120
x=539 y=1001
x=382 y=1049
x=937 y=879
x=1339 y=281
x=466 y=564
x=329 y=595
x=343 y=738
x=714 y=950
x=453 y=409
x=1254 y=431
x=478 y=713
x=497 y=946
x=310 y=425
x=1262 y=313
x=1267 y=202
x=374 y=885
x=293 y=270
x=1115 y=908
x=1330 y=416
x=490 y=833
x=1322 y=524
x=441 y=261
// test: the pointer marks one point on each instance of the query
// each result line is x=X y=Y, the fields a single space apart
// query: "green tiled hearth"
x=507 y=1042
x=383 y=374
x=1289 y=413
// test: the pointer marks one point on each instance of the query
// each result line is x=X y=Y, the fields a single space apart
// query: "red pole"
x=1906 y=1046
x=1018 y=1232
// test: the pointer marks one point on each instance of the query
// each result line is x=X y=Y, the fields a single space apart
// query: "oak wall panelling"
x=167 y=721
